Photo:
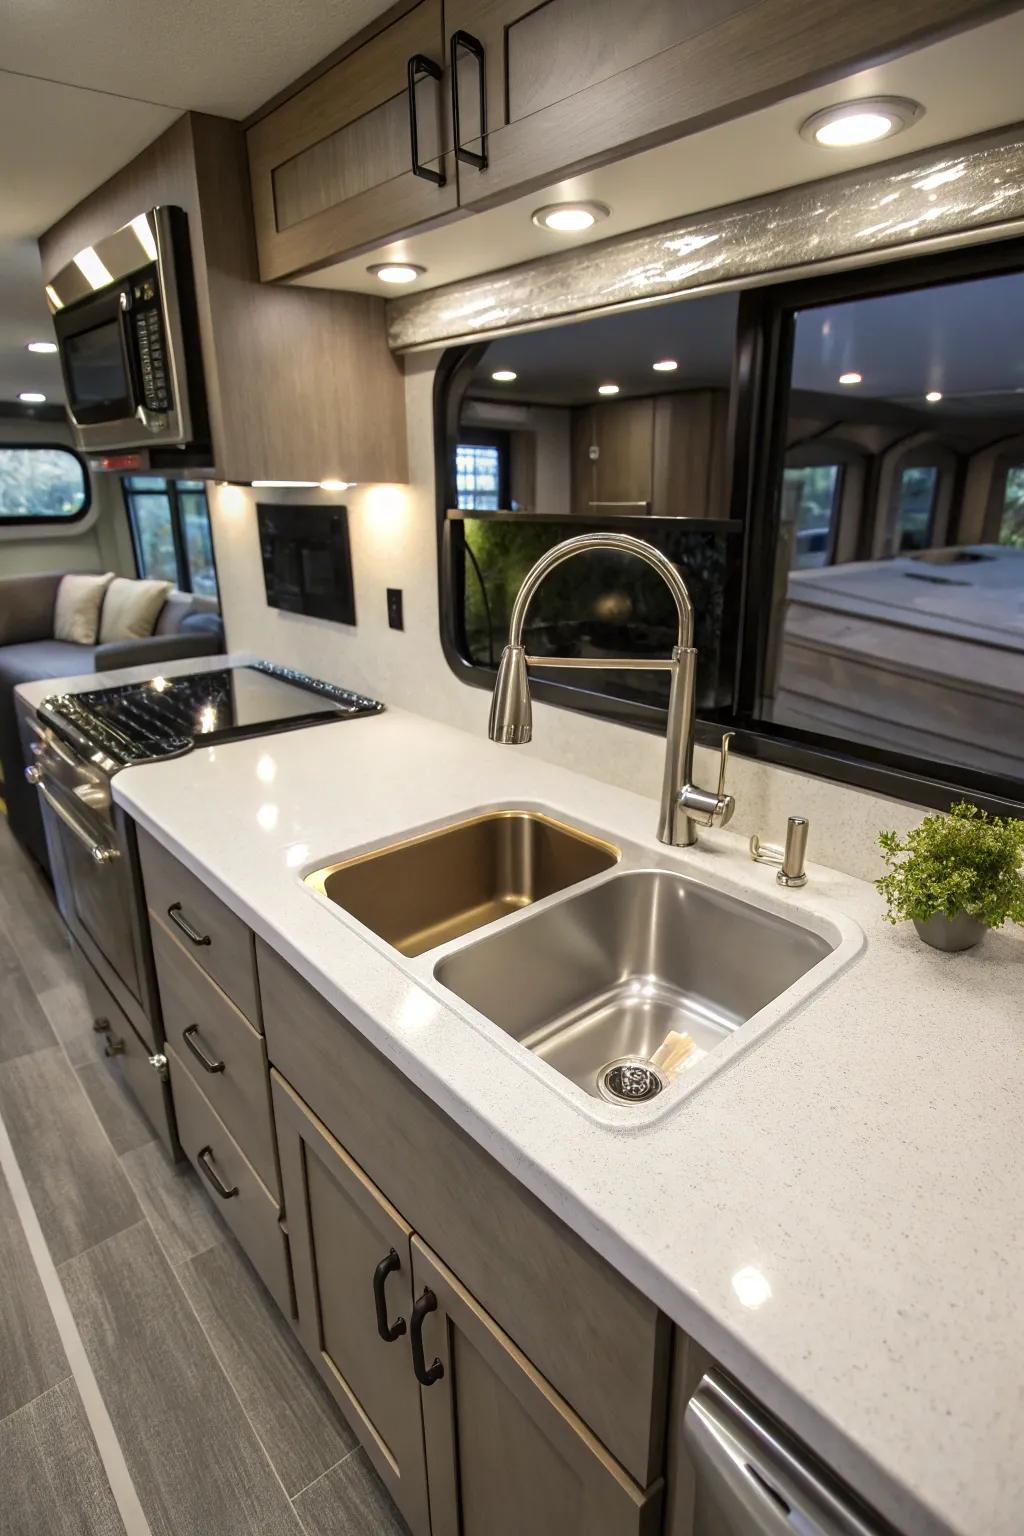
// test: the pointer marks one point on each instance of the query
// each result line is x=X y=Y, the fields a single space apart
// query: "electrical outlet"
x=395 y=617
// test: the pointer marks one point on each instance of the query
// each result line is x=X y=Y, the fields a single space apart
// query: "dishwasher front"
x=751 y=1480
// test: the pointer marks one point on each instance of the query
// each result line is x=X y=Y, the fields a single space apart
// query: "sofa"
x=187 y=625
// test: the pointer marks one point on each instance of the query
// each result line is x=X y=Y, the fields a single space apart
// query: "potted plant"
x=956 y=875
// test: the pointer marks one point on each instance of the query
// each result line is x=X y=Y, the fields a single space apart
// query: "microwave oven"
x=124 y=314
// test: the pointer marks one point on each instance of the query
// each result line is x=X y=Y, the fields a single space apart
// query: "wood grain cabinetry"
x=332 y=169
x=566 y=85
x=505 y=1454
x=664 y=455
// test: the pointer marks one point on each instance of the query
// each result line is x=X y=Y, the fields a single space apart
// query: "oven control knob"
x=33 y=773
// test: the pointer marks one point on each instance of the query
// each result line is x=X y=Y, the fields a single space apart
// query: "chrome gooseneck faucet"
x=684 y=806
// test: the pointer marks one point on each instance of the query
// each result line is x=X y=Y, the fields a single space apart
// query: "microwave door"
x=96 y=361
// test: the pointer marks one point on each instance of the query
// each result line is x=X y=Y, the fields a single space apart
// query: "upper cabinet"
x=464 y=104
x=300 y=384
x=359 y=156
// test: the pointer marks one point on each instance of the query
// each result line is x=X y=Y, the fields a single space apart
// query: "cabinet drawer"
x=602 y=1345
x=221 y=1050
x=237 y=1191
x=214 y=937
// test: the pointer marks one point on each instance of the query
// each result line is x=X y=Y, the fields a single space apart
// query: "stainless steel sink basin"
x=605 y=974
x=432 y=888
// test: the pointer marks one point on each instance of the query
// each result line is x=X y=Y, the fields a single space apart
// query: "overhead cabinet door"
x=573 y=83
x=505 y=1454
x=353 y=1294
x=358 y=157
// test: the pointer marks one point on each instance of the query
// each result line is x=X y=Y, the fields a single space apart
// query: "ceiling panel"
x=222 y=58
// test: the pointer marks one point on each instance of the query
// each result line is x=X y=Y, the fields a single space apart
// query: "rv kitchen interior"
x=512 y=768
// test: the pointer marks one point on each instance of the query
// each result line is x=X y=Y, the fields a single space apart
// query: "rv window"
x=1011 y=528
x=41 y=485
x=170 y=523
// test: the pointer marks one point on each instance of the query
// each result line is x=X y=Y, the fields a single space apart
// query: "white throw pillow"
x=76 y=613
x=131 y=608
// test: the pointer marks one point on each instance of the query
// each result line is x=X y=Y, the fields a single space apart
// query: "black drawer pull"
x=176 y=916
x=426 y=1377
x=389 y=1332
x=206 y=1062
x=203 y=1158
x=473 y=45
x=419 y=65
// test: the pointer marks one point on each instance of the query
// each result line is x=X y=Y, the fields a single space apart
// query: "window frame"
x=756 y=448
x=183 y=582
x=63 y=521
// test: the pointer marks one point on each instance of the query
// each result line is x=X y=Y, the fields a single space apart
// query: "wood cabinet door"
x=575 y=83
x=506 y=1454
x=353 y=1283
x=613 y=458
x=332 y=167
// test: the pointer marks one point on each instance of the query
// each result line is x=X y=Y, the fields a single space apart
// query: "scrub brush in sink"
x=675 y=1052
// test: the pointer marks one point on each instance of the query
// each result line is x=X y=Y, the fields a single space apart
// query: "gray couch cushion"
x=26 y=607
x=41 y=659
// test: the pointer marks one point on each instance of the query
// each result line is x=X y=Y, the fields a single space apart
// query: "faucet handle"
x=723 y=761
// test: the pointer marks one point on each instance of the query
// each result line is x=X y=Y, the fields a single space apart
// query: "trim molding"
x=971 y=189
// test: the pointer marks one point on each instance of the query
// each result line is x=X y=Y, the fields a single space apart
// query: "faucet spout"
x=683 y=804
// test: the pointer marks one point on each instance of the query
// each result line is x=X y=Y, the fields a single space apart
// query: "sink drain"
x=629 y=1080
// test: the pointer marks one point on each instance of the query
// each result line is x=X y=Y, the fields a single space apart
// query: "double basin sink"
x=598 y=976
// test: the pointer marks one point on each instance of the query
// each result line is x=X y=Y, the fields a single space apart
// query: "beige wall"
x=394 y=545
x=102 y=544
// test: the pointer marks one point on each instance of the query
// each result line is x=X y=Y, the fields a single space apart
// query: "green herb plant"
x=967 y=861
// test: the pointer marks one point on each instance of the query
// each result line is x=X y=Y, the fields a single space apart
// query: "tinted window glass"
x=41 y=484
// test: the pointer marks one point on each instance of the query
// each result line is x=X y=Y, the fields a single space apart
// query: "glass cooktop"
x=167 y=715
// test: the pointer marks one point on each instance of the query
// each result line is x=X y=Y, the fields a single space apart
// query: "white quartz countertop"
x=837 y=1215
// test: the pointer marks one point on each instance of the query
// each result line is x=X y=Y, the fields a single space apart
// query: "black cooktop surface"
x=167 y=715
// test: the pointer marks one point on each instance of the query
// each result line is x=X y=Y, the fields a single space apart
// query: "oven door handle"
x=102 y=853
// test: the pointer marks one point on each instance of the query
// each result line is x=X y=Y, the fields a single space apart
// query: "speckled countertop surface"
x=837 y=1215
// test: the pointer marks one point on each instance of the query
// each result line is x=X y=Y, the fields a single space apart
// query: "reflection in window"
x=809 y=499
x=41 y=484
x=170 y=523
x=478 y=477
x=896 y=617
x=1011 y=528
x=916 y=511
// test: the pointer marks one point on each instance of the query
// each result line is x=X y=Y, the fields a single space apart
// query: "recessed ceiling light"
x=851 y=378
x=31 y=397
x=607 y=389
x=569 y=218
x=396 y=271
x=504 y=376
x=41 y=346
x=667 y=365
x=866 y=121
x=933 y=396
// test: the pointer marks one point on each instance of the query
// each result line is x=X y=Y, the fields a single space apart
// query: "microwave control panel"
x=151 y=344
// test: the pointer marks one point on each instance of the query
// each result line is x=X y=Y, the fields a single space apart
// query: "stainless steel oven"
x=98 y=886
x=125 y=317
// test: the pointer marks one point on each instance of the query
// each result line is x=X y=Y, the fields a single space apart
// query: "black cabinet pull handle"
x=206 y=1062
x=426 y=1377
x=179 y=920
x=389 y=1332
x=419 y=65
x=473 y=45
x=203 y=1158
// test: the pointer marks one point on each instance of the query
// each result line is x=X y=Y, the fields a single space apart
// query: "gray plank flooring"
x=288 y=1406
x=174 y=1202
x=53 y=1479
x=350 y=1500
x=31 y=1356
x=225 y=1426
x=77 y=1186
x=192 y=1454
x=125 y=1124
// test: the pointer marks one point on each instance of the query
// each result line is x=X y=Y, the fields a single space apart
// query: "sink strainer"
x=629 y=1080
